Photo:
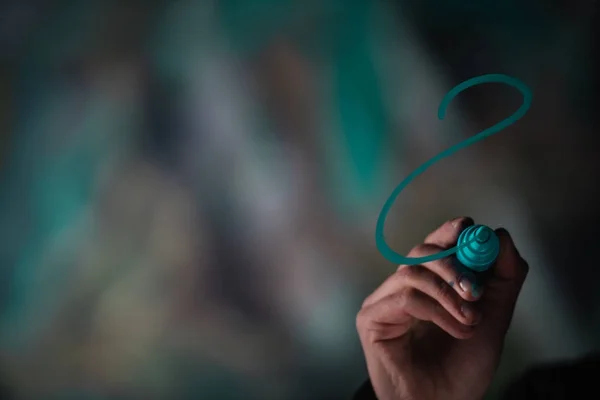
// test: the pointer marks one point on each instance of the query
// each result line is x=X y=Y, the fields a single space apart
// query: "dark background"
x=189 y=189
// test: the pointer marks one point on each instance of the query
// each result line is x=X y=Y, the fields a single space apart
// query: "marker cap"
x=482 y=252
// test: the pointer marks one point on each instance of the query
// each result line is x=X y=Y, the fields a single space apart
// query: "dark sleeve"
x=365 y=392
x=557 y=381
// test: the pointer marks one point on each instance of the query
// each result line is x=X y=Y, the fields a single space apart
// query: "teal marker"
x=478 y=246
x=481 y=250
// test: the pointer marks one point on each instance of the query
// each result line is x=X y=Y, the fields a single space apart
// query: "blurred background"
x=189 y=189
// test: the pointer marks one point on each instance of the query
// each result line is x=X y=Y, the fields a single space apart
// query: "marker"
x=482 y=249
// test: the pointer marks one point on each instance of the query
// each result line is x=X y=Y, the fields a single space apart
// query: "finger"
x=447 y=234
x=462 y=282
x=394 y=315
x=426 y=281
x=509 y=266
x=503 y=285
x=431 y=284
x=396 y=282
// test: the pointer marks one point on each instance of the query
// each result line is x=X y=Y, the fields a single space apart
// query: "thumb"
x=503 y=285
x=510 y=267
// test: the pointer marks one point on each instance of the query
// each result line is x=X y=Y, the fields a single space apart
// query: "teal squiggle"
x=382 y=246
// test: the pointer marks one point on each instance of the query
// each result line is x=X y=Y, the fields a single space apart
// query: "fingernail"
x=464 y=283
x=467 y=285
x=456 y=222
x=469 y=313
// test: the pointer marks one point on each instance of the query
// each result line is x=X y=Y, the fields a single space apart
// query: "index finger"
x=447 y=234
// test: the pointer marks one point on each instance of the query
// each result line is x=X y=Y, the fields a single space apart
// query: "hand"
x=428 y=333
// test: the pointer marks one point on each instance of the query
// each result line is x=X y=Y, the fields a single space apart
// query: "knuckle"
x=406 y=273
x=401 y=267
x=405 y=297
x=361 y=320
x=424 y=250
x=366 y=302
x=446 y=264
x=460 y=221
x=419 y=250
x=369 y=331
x=372 y=335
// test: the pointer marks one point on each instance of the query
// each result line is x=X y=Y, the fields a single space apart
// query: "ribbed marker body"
x=482 y=252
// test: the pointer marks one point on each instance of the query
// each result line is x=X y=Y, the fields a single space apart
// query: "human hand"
x=428 y=333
